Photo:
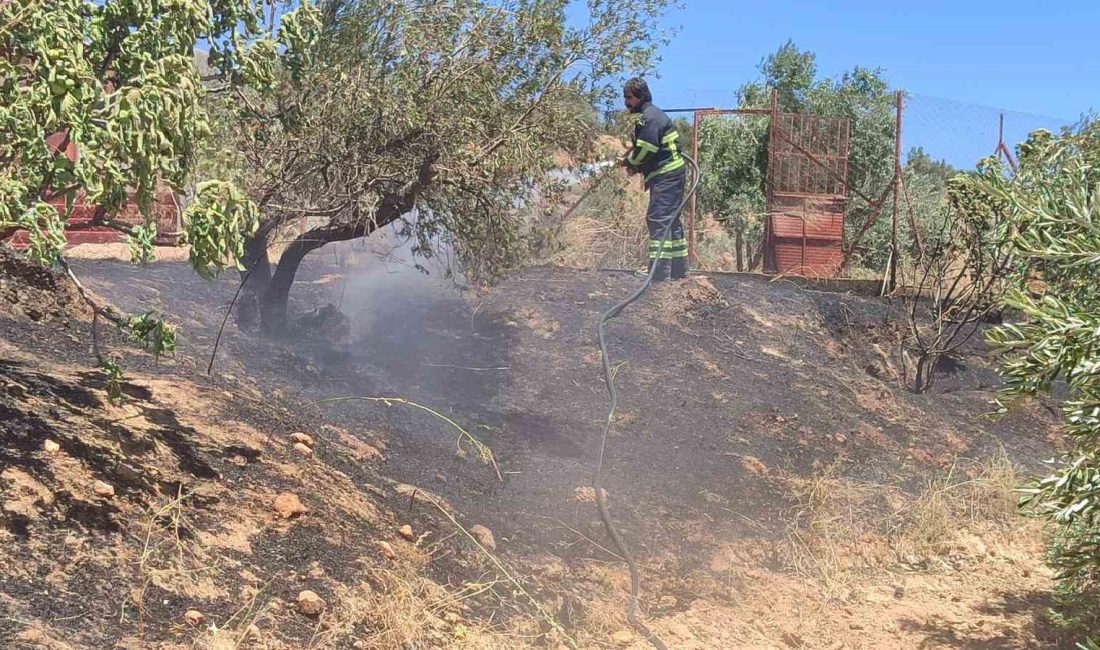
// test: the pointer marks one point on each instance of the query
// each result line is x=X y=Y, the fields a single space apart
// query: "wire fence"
x=963 y=133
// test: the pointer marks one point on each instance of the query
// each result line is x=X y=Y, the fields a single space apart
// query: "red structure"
x=806 y=194
x=81 y=227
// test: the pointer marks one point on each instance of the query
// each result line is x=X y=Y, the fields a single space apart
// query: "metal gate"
x=806 y=194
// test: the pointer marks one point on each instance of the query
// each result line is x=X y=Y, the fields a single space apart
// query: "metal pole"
x=694 y=205
x=770 y=263
x=897 y=183
x=1001 y=136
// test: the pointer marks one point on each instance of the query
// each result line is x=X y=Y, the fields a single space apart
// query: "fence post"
x=896 y=190
x=692 y=261
x=769 y=262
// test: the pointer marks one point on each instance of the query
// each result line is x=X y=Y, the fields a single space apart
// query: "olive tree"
x=443 y=115
x=1050 y=215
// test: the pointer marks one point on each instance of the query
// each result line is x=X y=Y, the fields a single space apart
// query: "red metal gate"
x=806 y=194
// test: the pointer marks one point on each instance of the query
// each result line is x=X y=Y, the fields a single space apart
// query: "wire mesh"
x=962 y=133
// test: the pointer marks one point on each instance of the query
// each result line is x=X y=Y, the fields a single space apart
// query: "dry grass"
x=399 y=607
x=170 y=560
x=607 y=230
x=956 y=504
x=599 y=241
x=843 y=529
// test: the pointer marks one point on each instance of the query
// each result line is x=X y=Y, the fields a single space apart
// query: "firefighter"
x=655 y=155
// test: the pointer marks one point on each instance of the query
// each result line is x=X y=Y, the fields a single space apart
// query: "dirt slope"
x=778 y=488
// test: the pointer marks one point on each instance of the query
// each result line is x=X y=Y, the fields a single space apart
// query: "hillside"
x=776 y=485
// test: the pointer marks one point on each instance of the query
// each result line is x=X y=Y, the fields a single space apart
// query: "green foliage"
x=733 y=157
x=116 y=79
x=113 y=380
x=218 y=222
x=1049 y=213
x=45 y=229
x=156 y=335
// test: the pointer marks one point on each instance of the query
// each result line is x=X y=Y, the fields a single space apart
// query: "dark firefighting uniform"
x=654 y=154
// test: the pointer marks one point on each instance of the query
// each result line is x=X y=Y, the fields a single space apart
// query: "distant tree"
x=734 y=151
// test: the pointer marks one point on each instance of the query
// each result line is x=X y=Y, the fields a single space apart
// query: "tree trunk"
x=273 y=307
x=925 y=372
x=256 y=278
x=738 y=246
x=755 y=260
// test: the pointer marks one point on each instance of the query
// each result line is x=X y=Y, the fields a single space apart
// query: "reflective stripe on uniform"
x=641 y=150
x=676 y=163
x=670 y=141
x=673 y=249
x=670 y=244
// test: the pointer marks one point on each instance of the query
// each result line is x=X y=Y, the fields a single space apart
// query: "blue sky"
x=964 y=61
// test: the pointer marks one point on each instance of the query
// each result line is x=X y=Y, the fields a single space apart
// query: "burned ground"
x=776 y=484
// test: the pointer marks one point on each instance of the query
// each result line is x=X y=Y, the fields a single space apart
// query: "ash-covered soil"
x=775 y=482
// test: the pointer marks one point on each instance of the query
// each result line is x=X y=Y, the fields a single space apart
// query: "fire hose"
x=613 y=399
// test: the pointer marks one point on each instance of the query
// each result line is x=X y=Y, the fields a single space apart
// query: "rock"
x=484 y=536
x=407 y=532
x=584 y=494
x=622 y=637
x=303 y=438
x=194 y=617
x=387 y=550
x=288 y=505
x=105 y=490
x=302 y=449
x=310 y=603
x=51 y=447
x=126 y=473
